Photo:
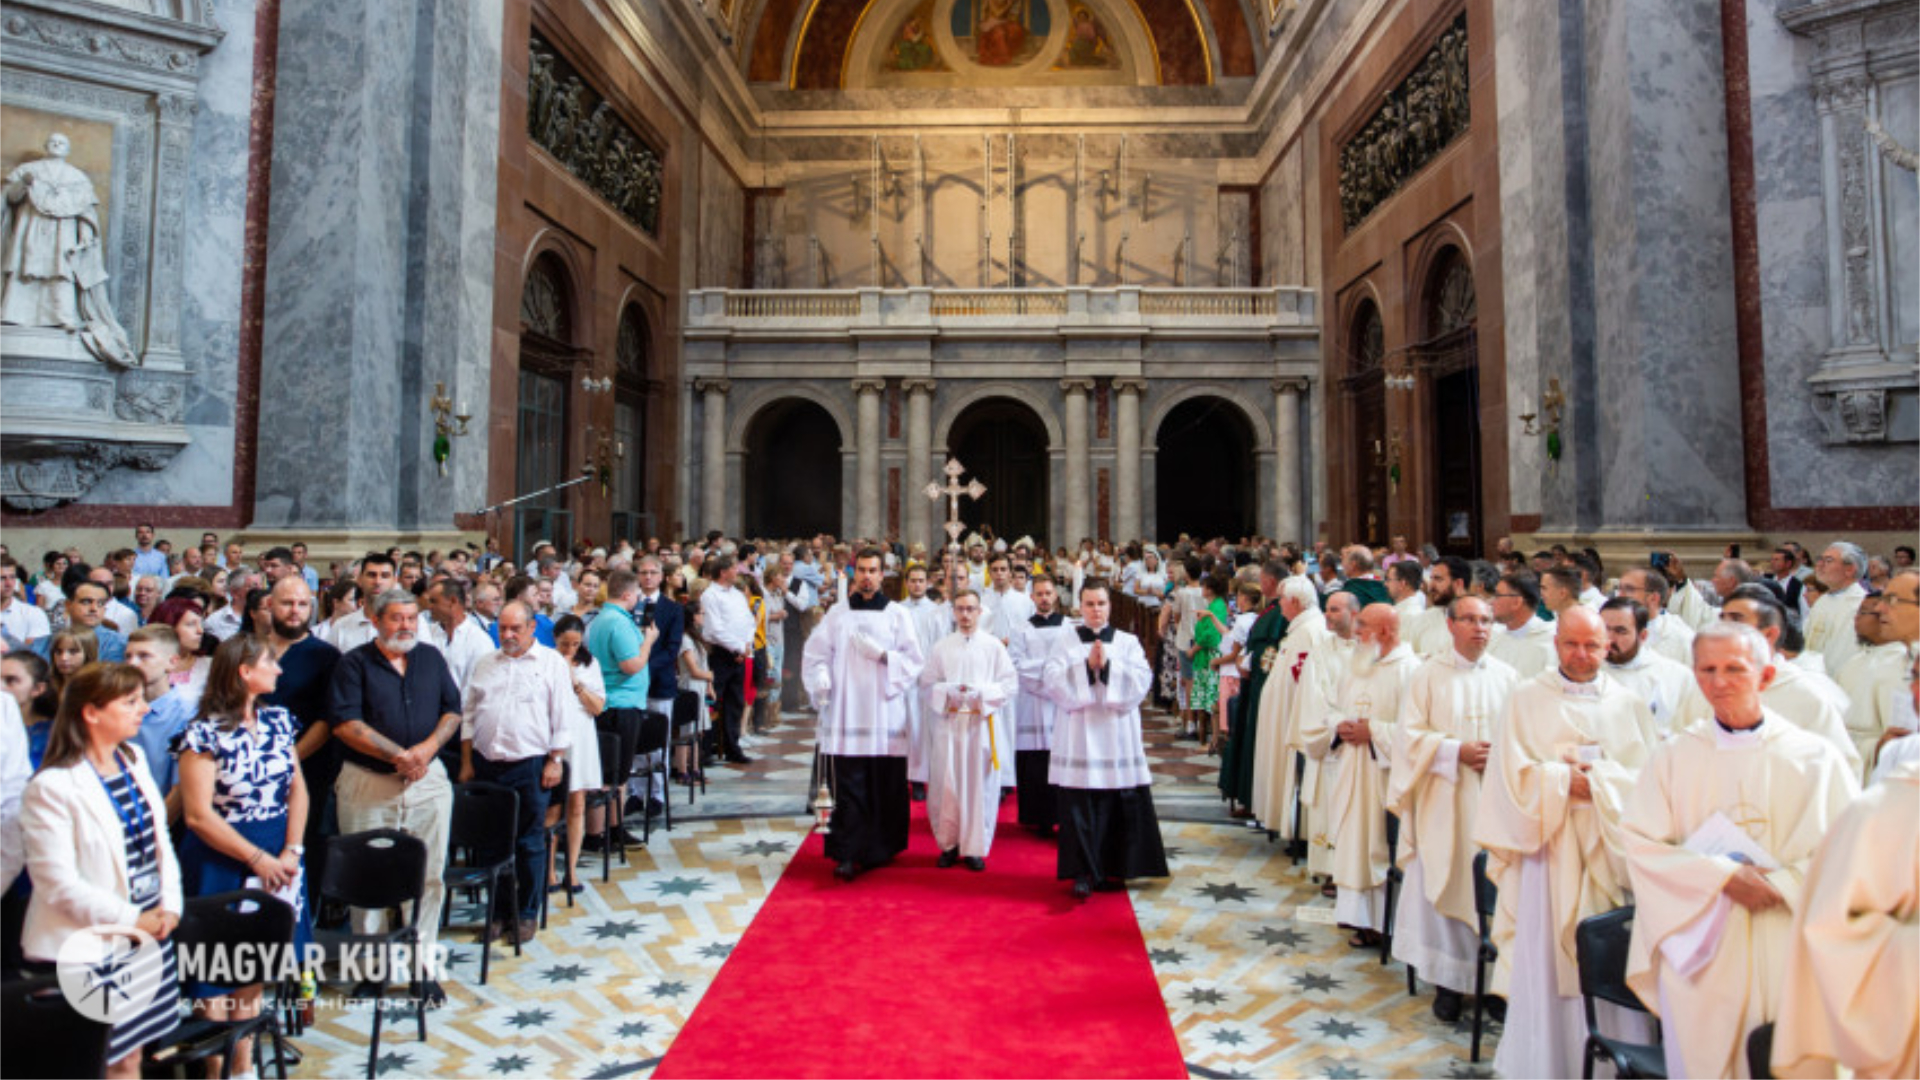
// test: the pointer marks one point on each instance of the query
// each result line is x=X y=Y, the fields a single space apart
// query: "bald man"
x=1566 y=752
x=1351 y=735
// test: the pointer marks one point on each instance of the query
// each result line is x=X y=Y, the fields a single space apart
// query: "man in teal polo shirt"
x=621 y=649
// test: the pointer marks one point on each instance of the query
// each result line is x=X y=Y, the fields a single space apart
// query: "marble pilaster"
x=1287 y=495
x=1077 y=520
x=919 y=510
x=867 y=472
x=1126 y=459
x=713 y=453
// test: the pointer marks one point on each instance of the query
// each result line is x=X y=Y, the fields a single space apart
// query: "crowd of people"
x=1696 y=747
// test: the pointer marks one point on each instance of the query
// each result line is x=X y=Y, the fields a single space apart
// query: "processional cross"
x=951 y=491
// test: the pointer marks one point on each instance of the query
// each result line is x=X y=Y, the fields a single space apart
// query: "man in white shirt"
x=21 y=624
x=729 y=632
x=375 y=577
x=458 y=637
x=232 y=619
x=564 y=595
x=514 y=732
x=147 y=559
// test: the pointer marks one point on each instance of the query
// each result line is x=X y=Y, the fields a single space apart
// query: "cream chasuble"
x=1273 y=749
x=1830 y=626
x=1853 y=957
x=1875 y=682
x=1528 y=650
x=1319 y=682
x=1709 y=968
x=1809 y=702
x=1663 y=684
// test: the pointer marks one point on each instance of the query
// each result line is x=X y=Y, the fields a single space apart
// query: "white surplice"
x=969 y=742
x=931 y=622
x=1273 y=750
x=1707 y=966
x=1096 y=733
x=1450 y=701
x=1555 y=860
x=1035 y=711
x=862 y=702
x=1356 y=775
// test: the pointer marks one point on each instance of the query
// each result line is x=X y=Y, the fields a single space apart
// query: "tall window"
x=631 y=355
x=546 y=360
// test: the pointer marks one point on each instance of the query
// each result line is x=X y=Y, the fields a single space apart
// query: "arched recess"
x=550 y=351
x=1002 y=442
x=1041 y=405
x=749 y=405
x=1447 y=358
x=792 y=473
x=1205 y=473
x=1250 y=413
x=1363 y=386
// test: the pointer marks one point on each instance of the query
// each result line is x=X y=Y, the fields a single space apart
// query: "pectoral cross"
x=951 y=491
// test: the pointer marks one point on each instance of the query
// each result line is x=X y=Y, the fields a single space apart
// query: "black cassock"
x=871 y=808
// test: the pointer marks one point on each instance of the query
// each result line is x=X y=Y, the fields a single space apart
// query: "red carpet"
x=914 y=971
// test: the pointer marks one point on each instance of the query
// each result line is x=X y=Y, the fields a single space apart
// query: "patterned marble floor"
x=1256 y=979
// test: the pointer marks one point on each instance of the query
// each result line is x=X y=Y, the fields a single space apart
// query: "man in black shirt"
x=305 y=689
x=394 y=707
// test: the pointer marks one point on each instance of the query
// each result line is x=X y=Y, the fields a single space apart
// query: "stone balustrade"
x=760 y=311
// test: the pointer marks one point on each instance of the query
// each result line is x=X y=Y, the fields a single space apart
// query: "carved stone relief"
x=1419 y=118
x=579 y=127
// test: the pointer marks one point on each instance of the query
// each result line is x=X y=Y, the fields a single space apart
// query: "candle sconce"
x=449 y=423
x=1553 y=404
x=606 y=450
x=1387 y=456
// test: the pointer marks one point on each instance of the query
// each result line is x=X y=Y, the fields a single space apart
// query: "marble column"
x=1126 y=460
x=1286 y=463
x=867 y=466
x=713 y=454
x=1078 y=520
x=919 y=522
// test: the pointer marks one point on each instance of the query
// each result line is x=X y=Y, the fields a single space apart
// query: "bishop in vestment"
x=1352 y=738
x=859 y=666
x=1440 y=748
x=1033 y=736
x=1566 y=751
x=1097 y=678
x=969 y=681
x=1720 y=830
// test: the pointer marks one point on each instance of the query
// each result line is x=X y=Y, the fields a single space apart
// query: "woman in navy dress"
x=245 y=804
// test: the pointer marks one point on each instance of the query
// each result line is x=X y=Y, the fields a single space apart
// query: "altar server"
x=1033 y=737
x=969 y=681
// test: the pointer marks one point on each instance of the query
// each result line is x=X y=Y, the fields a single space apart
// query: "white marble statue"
x=55 y=272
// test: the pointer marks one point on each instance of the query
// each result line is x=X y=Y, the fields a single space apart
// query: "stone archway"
x=1448 y=359
x=793 y=475
x=1204 y=470
x=1003 y=443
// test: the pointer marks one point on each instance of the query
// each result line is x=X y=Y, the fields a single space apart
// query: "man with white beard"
x=859 y=666
x=1807 y=700
x=1033 y=737
x=1567 y=750
x=931 y=622
x=1660 y=682
x=968 y=681
x=1319 y=681
x=1352 y=738
x=1440 y=748
x=1273 y=764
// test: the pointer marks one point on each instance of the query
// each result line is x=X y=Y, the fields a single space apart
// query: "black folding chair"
x=656 y=737
x=1485 y=895
x=382 y=870
x=689 y=728
x=1395 y=880
x=46 y=1036
x=484 y=815
x=1760 y=1052
x=1600 y=947
x=243 y=928
x=613 y=782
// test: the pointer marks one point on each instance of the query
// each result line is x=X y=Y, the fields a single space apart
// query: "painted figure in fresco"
x=55 y=274
x=1085 y=45
x=1001 y=34
x=912 y=50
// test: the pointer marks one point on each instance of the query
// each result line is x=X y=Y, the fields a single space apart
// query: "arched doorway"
x=632 y=358
x=1366 y=391
x=793 y=471
x=548 y=355
x=1003 y=444
x=1450 y=359
x=1204 y=471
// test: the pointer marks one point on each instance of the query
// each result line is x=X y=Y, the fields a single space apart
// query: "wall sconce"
x=606 y=451
x=1400 y=374
x=448 y=424
x=1553 y=402
x=596 y=386
x=1387 y=456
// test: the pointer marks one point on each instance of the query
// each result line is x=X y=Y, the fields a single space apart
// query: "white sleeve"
x=15 y=771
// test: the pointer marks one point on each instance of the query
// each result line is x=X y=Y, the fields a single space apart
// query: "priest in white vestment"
x=1830 y=630
x=932 y=621
x=1033 y=733
x=1875 y=680
x=1431 y=634
x=1720 y=830
x=1320 y=679
x=1352 y=738
x=1660 y=682
x=1097 y=677
x=1523 y=641
x=1440 y=749
x=1273 y=751
x=969 y=681
x=1007 y=608
x=1853 y=956
x=1566 y=752
x=859 y=667
x=1668 y=634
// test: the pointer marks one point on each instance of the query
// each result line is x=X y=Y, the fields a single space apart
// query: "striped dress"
x=161 y=1015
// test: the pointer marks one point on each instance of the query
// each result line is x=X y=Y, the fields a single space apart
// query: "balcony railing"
x=772 y=312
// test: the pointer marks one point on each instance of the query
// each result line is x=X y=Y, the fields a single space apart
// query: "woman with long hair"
x=68 y=651
x=584 y=768
x=95 y=827
x=189 y=624
x=245 y=803
x=28 y=679
x=341 y=600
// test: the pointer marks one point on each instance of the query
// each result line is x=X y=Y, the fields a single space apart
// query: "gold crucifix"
x=951 y=491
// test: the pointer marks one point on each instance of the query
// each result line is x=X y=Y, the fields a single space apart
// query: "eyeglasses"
x=1506 y=596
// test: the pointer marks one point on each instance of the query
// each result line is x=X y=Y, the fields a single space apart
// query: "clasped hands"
x=1358 y=732
x=412 y=762
x=1474 y=755
x=1750 y=888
